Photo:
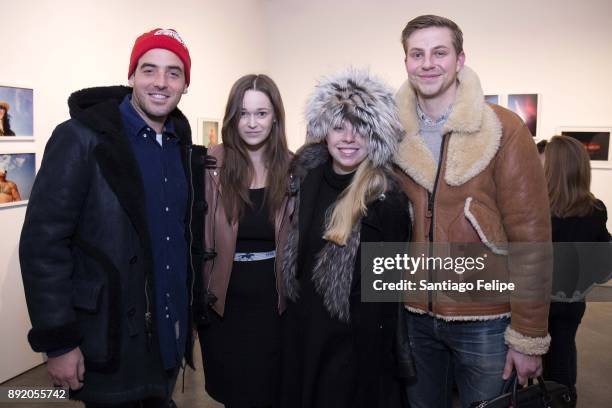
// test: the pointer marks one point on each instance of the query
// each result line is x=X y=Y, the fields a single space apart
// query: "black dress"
x=241 y=349
x=327 y=362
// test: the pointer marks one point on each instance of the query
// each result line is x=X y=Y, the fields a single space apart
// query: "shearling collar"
x=475 y=134
x=98 y=109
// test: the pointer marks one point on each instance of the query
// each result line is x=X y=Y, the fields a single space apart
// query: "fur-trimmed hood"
x=366 y=102
x=476 y=134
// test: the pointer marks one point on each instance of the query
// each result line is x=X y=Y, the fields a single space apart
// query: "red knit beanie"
x=167 y=39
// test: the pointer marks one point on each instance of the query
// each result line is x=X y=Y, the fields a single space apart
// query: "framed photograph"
x=527 y=107
x=596 y=140
x=16 y=113
x=17 y=172
x=493 y=99
x=209 y=132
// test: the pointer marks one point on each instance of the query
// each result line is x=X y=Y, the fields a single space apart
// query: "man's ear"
x=131 y=80
x=185 y=89
x=460 y=60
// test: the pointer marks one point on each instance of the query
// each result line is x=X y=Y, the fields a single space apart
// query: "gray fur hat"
x=366 y=102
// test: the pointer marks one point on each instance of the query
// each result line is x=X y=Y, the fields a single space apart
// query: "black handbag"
x=544 y=394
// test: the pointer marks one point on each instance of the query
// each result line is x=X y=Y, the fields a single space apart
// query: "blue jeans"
x=470 y=353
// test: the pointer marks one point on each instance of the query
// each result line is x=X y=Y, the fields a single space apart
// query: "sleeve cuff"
x=56 y=338
x=533 y=346
x=57 y=353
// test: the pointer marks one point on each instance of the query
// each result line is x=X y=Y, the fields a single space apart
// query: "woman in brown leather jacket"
x=245 y=192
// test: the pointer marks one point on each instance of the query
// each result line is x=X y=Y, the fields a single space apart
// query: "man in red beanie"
x=152 y=101
x=105 y=248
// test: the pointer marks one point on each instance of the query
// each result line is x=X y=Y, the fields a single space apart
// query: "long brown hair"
x=237 y=170
x=568 y=173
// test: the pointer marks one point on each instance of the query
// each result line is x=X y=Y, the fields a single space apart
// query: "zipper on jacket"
x=189 y=221
x=148 y=316
x=280 y=228
x=214 y=246
x=430 y=213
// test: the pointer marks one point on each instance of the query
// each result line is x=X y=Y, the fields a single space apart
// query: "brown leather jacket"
x=220 y=236
x=491 y=190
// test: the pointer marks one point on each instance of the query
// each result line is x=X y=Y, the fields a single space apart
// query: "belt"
x=253 y=256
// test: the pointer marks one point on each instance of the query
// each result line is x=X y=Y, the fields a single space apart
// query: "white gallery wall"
x=560 y=49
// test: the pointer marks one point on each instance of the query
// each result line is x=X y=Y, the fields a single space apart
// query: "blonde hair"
x=567 y=168
x=369 y=182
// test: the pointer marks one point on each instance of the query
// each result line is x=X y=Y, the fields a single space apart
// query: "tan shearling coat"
x=490 y=190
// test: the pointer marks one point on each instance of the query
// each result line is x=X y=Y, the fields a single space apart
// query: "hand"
x=67 y=370
x=526 y=366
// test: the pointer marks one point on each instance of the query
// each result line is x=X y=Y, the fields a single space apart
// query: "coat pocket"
x=86 y=295
x=96 y=302
x=90 y=303
x=488 y=225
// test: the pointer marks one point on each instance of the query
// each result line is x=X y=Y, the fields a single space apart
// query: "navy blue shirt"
x=165 y=186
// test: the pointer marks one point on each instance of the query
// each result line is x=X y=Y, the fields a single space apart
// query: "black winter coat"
x=578 y=266
x=85 y=251
x=330 y=360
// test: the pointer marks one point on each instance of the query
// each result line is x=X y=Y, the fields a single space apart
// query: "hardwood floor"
x=594 y=386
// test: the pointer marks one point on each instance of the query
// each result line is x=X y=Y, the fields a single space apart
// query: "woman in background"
x=541 y=145
x=337 y=350
x=245 y=192
x=577 y=216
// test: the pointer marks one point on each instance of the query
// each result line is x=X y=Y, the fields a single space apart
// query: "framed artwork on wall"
x=17 y=172
x=16 y=113
x=493 y=99
x=527 y=107
x=596 y=140
x=209 y=132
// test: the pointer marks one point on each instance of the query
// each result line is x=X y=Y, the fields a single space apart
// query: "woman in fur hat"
x=246 y=186
x=338 y=351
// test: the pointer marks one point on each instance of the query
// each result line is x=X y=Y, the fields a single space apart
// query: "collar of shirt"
x=135 y=124
x=426 y=120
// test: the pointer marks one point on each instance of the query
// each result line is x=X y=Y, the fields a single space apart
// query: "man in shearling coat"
x=473 y=177
x=105 y=247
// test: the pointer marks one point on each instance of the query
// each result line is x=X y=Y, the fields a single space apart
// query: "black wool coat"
x=578 y=266
x=85 y=250
x=349 y=356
